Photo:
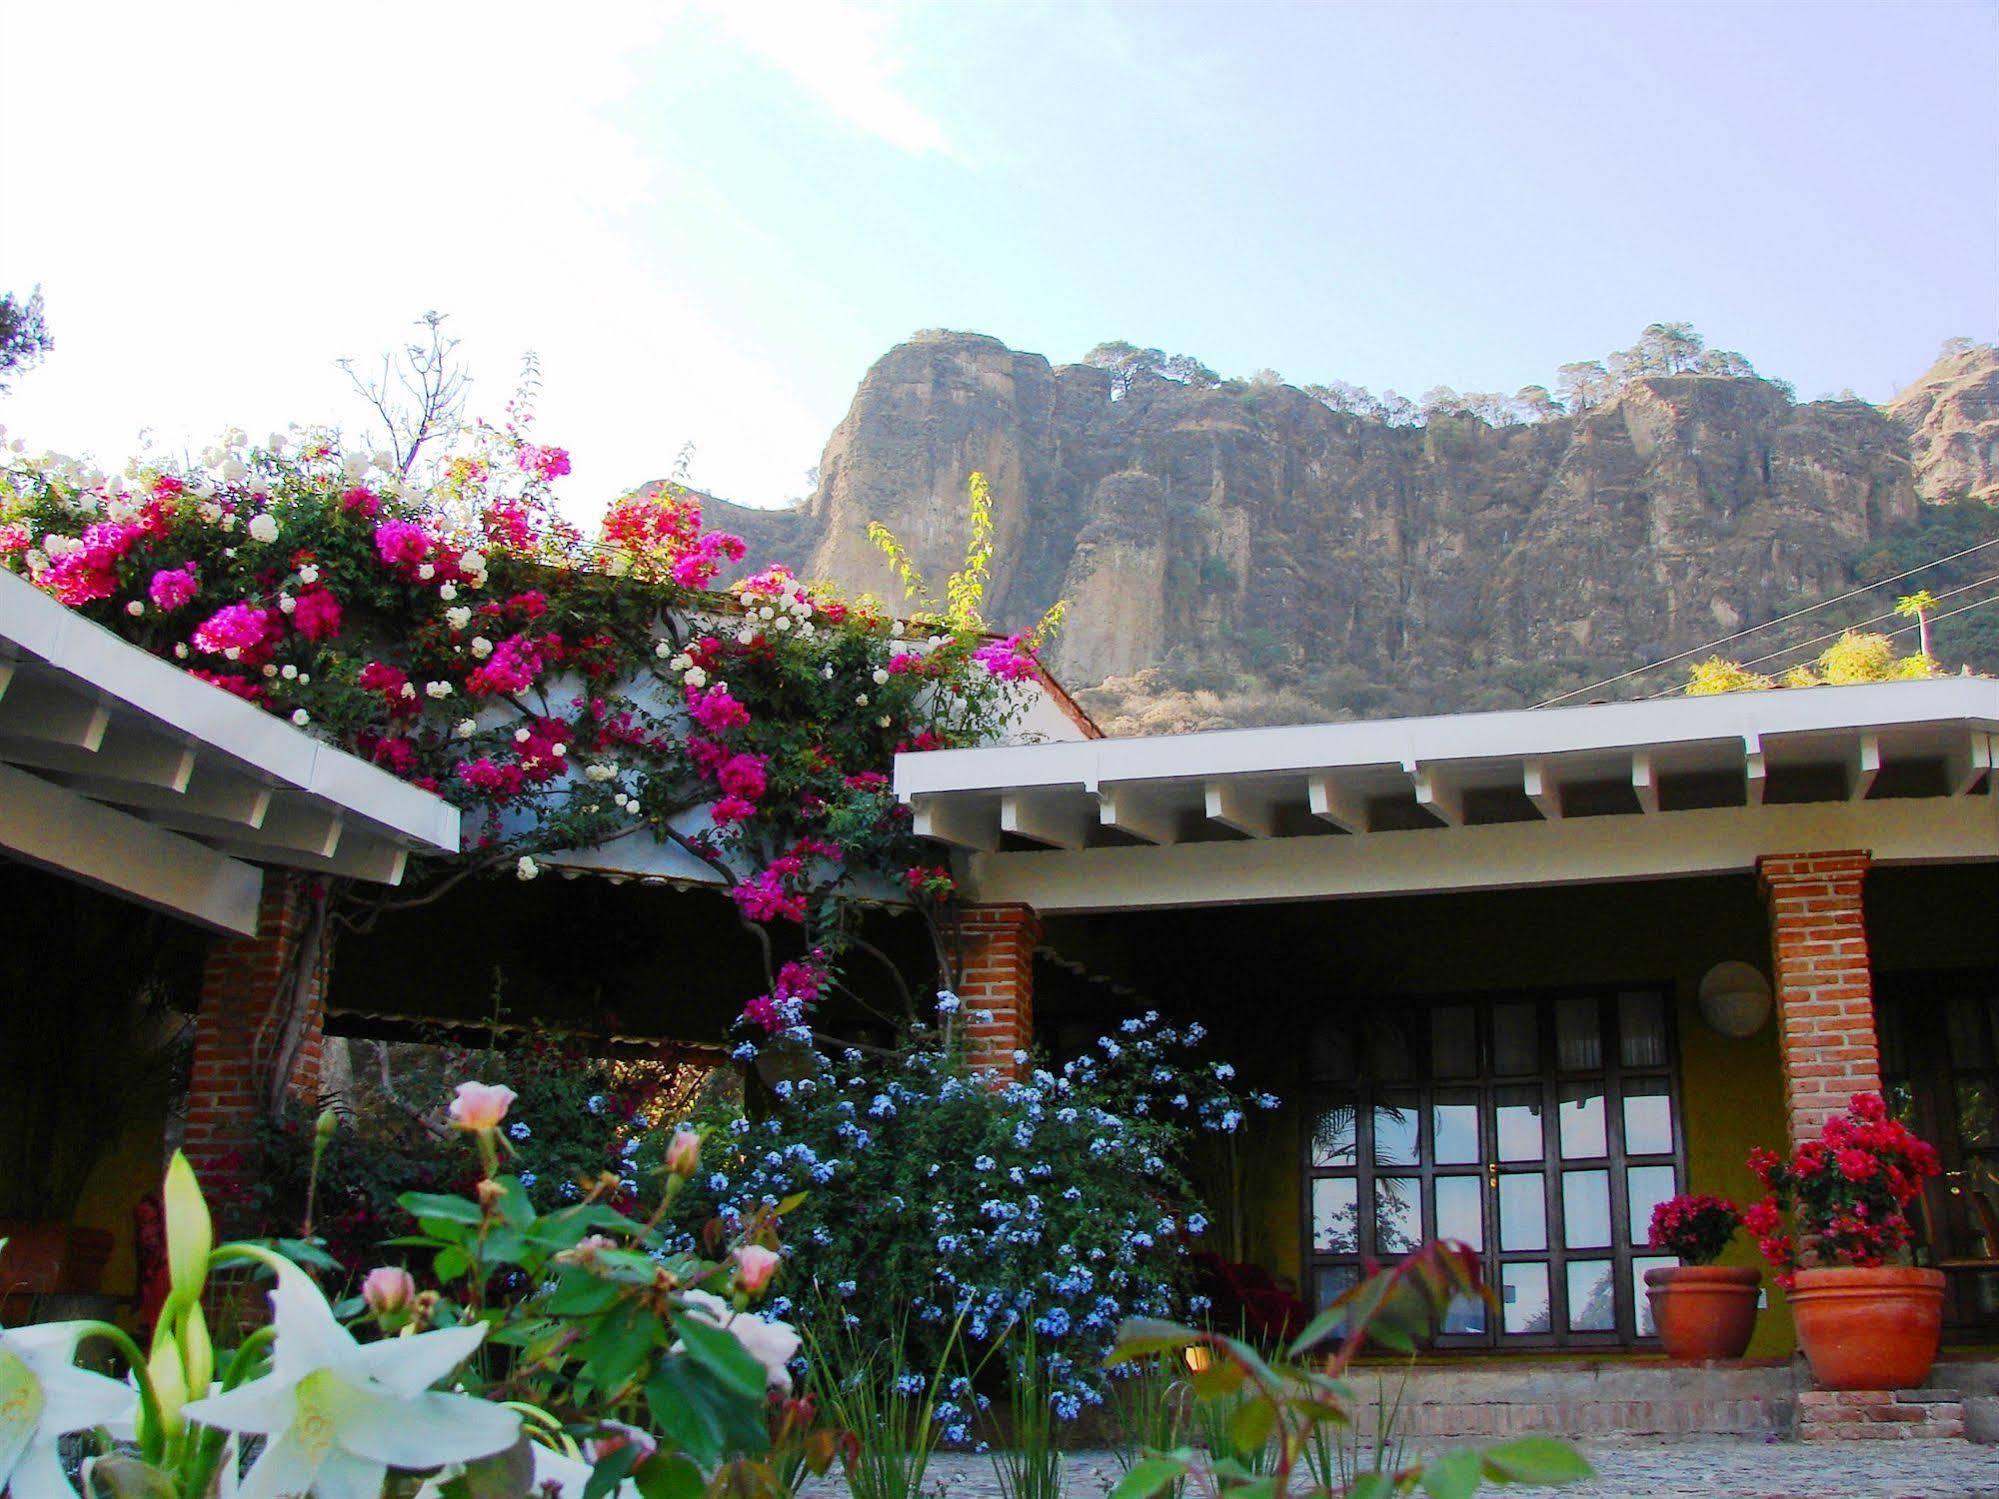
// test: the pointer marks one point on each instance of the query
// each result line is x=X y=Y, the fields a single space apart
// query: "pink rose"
x=755 y=1265
x=481 y=1106
x=388 y=1290
x=683 y=1153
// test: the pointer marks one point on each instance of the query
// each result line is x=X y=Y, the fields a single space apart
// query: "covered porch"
x=1469 y=954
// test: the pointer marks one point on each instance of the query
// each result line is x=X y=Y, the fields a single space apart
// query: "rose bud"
x=388 y=1290
x=480 y=1106
x=755 y=1265
x=683 y=1153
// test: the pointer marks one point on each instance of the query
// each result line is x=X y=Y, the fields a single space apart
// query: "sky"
x=708 y=218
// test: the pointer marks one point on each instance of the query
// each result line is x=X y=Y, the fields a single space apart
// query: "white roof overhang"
x=120 y=770
x=1470 y=801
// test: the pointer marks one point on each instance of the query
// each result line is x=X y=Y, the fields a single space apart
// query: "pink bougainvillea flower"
x=481 y=1106
x=545 y=463
x=401 y=544
x=317 y=614
x=173 y=587
x=234 y=630
x=361 y=501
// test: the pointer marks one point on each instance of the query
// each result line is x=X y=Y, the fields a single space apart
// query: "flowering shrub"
x=562 y=692
x=1847 y=1192
x=617 y=1363
x=935 y=1196
x=1695 y=1226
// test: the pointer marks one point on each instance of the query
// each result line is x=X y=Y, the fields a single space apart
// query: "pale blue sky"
x=710 y=218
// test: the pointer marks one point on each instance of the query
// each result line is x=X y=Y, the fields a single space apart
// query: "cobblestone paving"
x=1736 y=1468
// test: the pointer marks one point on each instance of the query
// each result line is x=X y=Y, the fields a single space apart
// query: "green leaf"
x=1142 y=1337
x=1149 y=1476
x=685 y=1411
x=306 y=1252
x=1455 y=1475
x=127 y=1478
x=722 y=1354
x=442 y=1206
x=579 y=1294
x=1542 y=1460
x=515 y=1206
x=619 y=1344
x=612 y=1469
x=451 y=1262
x=669 y=1475
x=1372 y=1486
x=1251 y=1425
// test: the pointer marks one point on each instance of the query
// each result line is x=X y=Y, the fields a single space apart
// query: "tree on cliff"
x=24 y=334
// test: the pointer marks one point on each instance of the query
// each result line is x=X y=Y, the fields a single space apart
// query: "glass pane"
x=1453 y=1041
x=1460 y=1213
x=1454 y=1130
x=1888 y=1027
x=1901 y=1099
x=1398 y=1214
x=1332 y=1281
x=1578 y=1036
x=1518 y=1115
x=1332 y=1053
x=1592 y=1296
x=1644 y=1302
x=1645 y=1187
x=1388 y=1051
x=1516 y=1041
x=1582 y=1122
x=1523 y=1298
x=1336 y=1215
x=1641 y=1022
x=1974 y=1113
x=1967 y=1040
x=1648 y=1117
x=1586 y=1209
x=1332 y=1136
x=1465 y=1314
x=1523 y=1212
x=1395 y=1124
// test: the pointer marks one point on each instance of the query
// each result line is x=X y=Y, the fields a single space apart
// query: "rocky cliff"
x=1244 y=553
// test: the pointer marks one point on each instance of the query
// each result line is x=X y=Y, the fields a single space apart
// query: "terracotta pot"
x=1869 y=1329
x=1704 y=1311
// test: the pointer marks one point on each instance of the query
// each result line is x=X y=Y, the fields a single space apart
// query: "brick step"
x=1582 y=1400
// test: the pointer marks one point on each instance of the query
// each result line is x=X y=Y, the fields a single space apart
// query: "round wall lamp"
x=1735 y=998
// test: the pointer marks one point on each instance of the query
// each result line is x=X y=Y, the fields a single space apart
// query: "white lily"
x=43 y=1395
x=339 y=1413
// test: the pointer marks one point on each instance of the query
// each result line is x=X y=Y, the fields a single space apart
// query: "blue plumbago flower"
x=630 y=1148
x=594 y=1103
x=1197 y=1225
x=983 y=1163
x=718 y=1183
x=744 y=1052
x=569 y=1191
x=519 y=1130
x=1223 y=1070
x=527 y=1178
x=947 y=1002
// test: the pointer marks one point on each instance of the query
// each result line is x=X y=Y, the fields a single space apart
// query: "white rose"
x=695 y=677
x=472 y=562
x=882 y=722
x=308 y=574
x=437 y=689
x=180 y=651
x=135 y=608
x=783 y=622
x=747 y=634
x=447 y=591
x=264 y=527
x=481 y=646
x=661 y=650
x=270 y=670
x=289 y=673
x=773 y=1344
x=301 y=717
x=426 y=571
x=458 y=618
x=881 y=677
x=465 y=728
x=527 y=869
x=521 y=736
x=860 y=700
x=287 y=603
x=558 y=750
x=409 y=689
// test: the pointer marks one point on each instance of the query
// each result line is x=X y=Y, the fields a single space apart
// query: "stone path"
x=1710 y=1468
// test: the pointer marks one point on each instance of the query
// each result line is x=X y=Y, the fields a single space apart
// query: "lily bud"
x=683 y=1153
x=327 y=1123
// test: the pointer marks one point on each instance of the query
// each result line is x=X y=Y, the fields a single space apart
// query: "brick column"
x=1824 y=988
x=253 y=1028
x=996 y=951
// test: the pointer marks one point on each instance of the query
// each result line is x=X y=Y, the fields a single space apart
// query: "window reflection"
x=1523 y=1298
x=1454 y=1133
x=1586 y=1209
x=1523 y=1211
x=1592 y=1296
x=1332 y=1136
x=1336 y=1215
x=1974 y=1113
x=1398 y=1214
x=1583 y=1134
x=1645 y=1188
x=1395 y=1131
x=1648 y=1117
x=1646 y=1329
x=1461 y=1209
x=1518 y=1123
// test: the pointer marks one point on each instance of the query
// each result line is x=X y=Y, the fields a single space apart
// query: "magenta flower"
x=401 y=543
x=317 y=615
x=173 y=587
x=232 y=630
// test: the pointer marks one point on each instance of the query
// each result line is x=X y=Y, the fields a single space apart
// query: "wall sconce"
x=1735 y=998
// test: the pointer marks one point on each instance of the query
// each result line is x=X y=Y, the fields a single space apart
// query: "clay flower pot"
x=1704 y=1311
x=1869 y=1329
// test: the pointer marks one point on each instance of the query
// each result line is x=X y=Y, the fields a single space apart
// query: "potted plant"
x=1702 y=1310
x=1867 y=1320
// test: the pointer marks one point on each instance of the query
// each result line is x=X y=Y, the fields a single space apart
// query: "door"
x=1541 y=1129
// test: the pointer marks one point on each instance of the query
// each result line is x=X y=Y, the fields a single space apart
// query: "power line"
x=1834 y=635
x=1767 y=624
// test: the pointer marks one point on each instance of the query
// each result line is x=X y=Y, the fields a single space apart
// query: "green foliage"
x=894 y=1418
x=1267 y=1417
x=24 y=334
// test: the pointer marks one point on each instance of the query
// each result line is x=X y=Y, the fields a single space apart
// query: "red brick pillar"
x=996 y=952
x=1824 y=988
x=254 y=1027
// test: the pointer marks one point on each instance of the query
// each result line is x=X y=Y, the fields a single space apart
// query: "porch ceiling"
x=125 y=772
x=1614 y=791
